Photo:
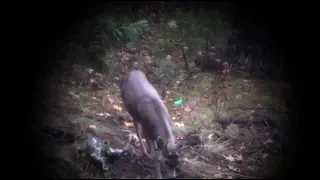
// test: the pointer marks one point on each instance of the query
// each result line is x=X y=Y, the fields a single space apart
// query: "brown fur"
x=147 y=109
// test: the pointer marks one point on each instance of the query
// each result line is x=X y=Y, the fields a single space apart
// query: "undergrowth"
x=185 y=29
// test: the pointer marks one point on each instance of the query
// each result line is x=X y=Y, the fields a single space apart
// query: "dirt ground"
x=233 y=127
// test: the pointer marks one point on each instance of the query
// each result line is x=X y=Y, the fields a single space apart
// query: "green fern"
x=131 y=32
x=108 y=30
x=167 y=68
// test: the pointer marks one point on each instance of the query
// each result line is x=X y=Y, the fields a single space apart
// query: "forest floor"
x=249 y=147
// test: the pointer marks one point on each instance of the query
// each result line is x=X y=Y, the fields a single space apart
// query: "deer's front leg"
x=155 y=154
x=157 y=165
x=143 y=148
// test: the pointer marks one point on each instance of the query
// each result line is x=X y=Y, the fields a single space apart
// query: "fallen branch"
x=185 y=59
x=257 y=108
x=245 y=120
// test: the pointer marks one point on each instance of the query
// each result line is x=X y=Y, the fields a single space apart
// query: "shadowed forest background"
x=220 y=68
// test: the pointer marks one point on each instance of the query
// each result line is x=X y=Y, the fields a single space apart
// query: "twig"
x=206 y=159
x=125 y=130
x=237 y=174
x=184 y=147
x=257 y=108
x=185 y=59
x=207 y=49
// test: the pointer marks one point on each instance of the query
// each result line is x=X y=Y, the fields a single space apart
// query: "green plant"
x=109 y=64
x=108 y=30
x=167 y=69
x=105 y=30
x=166 y=45
x=131 y=32
x=195 y=30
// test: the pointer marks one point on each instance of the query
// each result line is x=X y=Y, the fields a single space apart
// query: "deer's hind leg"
x=143 y=148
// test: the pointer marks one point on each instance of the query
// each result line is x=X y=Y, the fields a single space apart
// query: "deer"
x=149 y=114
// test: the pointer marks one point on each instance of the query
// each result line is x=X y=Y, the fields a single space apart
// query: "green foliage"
x=105 y=29
x=195 y=30
x=167 y=68
x=105 y=65
x=195 y=43
x=108 y=30
x=108 y=64
x=99 y=59
x=166 y=45
x=132 y=31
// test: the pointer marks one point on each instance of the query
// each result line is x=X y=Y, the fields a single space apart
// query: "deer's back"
x=143 y=102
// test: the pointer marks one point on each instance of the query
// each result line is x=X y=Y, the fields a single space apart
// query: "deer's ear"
x=160 y=142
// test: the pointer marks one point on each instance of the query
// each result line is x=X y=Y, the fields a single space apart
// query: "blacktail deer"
x=148 y=112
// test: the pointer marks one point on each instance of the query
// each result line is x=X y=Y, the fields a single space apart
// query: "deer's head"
x=170 y=155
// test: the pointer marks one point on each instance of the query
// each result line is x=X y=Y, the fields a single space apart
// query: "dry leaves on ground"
x=179 y=124
x=116 y=107
x=187 y=109
x=128 y=124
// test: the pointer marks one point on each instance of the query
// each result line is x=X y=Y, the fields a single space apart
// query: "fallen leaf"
x=166 y=99
x=116 y=107
x=148 y=59
x=233 y=168
x=212 y=53
x=229 y=158
x=110 y=99
x=128 y=124
x=193 y=113
x=187 y=109
x=90 y=71
x=173 y=118
x=100 y=114
x=94 y=98
x=217 y=176
x=71 y=93
x=93 y=126
x=264 y=156
x=238 y=96
x=169 y=57
x=133 y=137
x=76 y=96
x=179 y=124
x=239 y=157
x=210 y=136
x=268 y=141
